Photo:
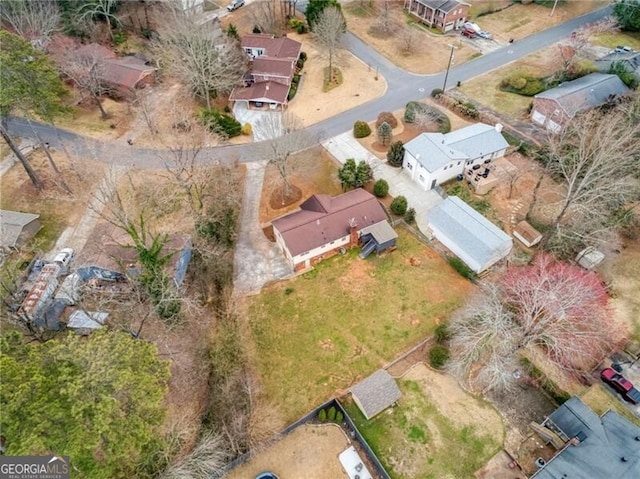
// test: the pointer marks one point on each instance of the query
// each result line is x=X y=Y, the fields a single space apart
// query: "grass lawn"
x=417 y=440
x=612 y=40
x=317 y=334
x=600 y=400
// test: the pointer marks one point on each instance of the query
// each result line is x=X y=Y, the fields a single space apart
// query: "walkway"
x=345 y=146
x=257 y=261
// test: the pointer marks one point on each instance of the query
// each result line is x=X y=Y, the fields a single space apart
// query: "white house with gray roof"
x=431 y=159
x=467 y=234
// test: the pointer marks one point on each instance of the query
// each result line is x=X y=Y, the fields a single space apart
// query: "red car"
x=621 y=384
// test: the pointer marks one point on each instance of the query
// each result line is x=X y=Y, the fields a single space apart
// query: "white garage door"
x=538 y=117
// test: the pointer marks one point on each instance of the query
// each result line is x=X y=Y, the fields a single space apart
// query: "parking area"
x=628 y=365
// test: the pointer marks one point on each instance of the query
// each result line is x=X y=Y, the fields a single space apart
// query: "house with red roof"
x=325 y=225
x=273 y=64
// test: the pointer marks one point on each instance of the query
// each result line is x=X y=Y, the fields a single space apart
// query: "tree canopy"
x=627 y=12
x=29 y=81
x=316 y=7
x=96 y=399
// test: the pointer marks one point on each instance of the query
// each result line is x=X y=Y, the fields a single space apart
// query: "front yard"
x=437 y=430
x=319 y=333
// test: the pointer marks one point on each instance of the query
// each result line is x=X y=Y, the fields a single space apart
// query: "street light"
x=446 y=75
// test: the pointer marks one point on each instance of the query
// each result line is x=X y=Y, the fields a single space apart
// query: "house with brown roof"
x=325 y=225
x=272 y=67
x=552 y=109
x=445 y=15
x=123 y=74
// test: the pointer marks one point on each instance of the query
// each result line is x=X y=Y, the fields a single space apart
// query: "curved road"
x=402 y=88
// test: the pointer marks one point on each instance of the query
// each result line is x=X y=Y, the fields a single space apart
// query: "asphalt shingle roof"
x=376 y=393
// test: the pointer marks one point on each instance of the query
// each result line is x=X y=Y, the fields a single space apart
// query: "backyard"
x=347 y=318
x=437 y=430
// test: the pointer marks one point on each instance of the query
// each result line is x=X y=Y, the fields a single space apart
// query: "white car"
x=484 y=34
x=235 y=4
x=64 y=257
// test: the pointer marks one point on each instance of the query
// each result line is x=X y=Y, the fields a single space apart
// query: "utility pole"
x=554 y=7
x=446 y=75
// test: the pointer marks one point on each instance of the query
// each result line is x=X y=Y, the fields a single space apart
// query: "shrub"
x=293 y=89
x=339 y=417
x=322 y=415
x=288 y=291
x=438 y=355
x=441 y=333
x=468 y=109
x=303 y=56
x=410 y=215
x=385 y=132
x=462 y=269
x=247 y=129
x=256 y=29
x=387 y=117
x=522 y=85
x=399 y=205
x=361 y=129
x=381 y=188
x=331 y=415
x=436 y=92
x=298 y=25
x=220 y=123
x=414 y=109
x=395 y=155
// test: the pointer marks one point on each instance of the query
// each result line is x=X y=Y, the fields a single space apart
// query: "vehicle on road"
x=623 y=49
x=621 y=384
x=235 y=4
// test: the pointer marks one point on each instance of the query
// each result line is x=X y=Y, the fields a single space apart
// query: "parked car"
x=623 y=49
x=266 y=475
x=235 y=4
x=621 y=384
x=484 y=34
x=469 y=33
x=64 y=257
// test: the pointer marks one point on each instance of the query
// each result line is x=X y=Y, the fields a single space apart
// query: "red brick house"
x=445 y=15
x=273 y=64
x=325 y=225
x=552 y=109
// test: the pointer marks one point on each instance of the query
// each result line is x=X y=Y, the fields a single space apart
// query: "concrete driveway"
x=345 y=146
x=257 y=261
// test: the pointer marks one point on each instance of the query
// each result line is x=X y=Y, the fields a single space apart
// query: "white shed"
x=469 y=235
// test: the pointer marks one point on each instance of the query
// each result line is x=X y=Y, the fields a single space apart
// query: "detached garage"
x=467 y=234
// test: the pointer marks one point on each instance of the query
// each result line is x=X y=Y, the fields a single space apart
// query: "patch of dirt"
x=453 y=402
x=309 y=451
x=358 y=278
x=281 y=198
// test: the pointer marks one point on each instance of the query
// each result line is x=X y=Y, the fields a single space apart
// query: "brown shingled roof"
x=272 y=67
x=273 y=47
x=267 y=91
x=322 y=219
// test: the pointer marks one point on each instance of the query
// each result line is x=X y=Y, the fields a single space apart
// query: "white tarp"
x=87 y=319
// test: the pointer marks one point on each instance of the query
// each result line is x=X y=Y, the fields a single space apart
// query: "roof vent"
x=624 y=459
x=540 y=463
x=637 y=438
x=498 y=127
x=318 y=222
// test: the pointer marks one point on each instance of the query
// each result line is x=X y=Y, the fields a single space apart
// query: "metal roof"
x=435 y=150
x=376 y=393
x=586 y=92
x=608 y=448
x=474 y=234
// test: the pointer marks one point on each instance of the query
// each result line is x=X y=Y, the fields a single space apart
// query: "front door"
x=433 y=184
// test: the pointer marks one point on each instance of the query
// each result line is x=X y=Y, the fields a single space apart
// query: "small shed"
x=377 y=237
x=467 y=234
x=375 y=393
x=527 y=234
x=17 y=228
x=590 y=257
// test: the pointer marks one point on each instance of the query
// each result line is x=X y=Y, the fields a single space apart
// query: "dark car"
x=621 y=384
x=267 y=475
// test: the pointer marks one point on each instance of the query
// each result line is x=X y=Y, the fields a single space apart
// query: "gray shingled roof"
x=586 y=92
x=435 y=150
x=606 y=440
x=442 y=5
x=381 y=232
x=376 y=393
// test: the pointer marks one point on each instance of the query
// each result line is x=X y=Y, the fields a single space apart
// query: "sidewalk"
x=345 y=146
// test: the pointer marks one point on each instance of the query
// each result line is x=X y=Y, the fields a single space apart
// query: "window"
x=459 y=162
x=409 y=166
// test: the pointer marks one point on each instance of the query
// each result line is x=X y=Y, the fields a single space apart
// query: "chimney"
x=499 y=127
x=353 y=233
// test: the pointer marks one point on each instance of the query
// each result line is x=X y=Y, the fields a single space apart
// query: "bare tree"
x=384 y=17
x=34 y=20
x=593 y=157
x=86 y=69
x=269 y=16
x=284 y=135
x=408 y=40
x=328 y=32
x=200 y=55
x=207 y=459
x=554 y=307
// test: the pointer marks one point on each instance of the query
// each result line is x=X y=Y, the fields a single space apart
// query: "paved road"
x=402 y=88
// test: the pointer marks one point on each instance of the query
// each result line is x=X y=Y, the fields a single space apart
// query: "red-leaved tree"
x=556 y=307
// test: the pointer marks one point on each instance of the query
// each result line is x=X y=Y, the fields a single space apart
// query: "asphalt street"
x=402 y=88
